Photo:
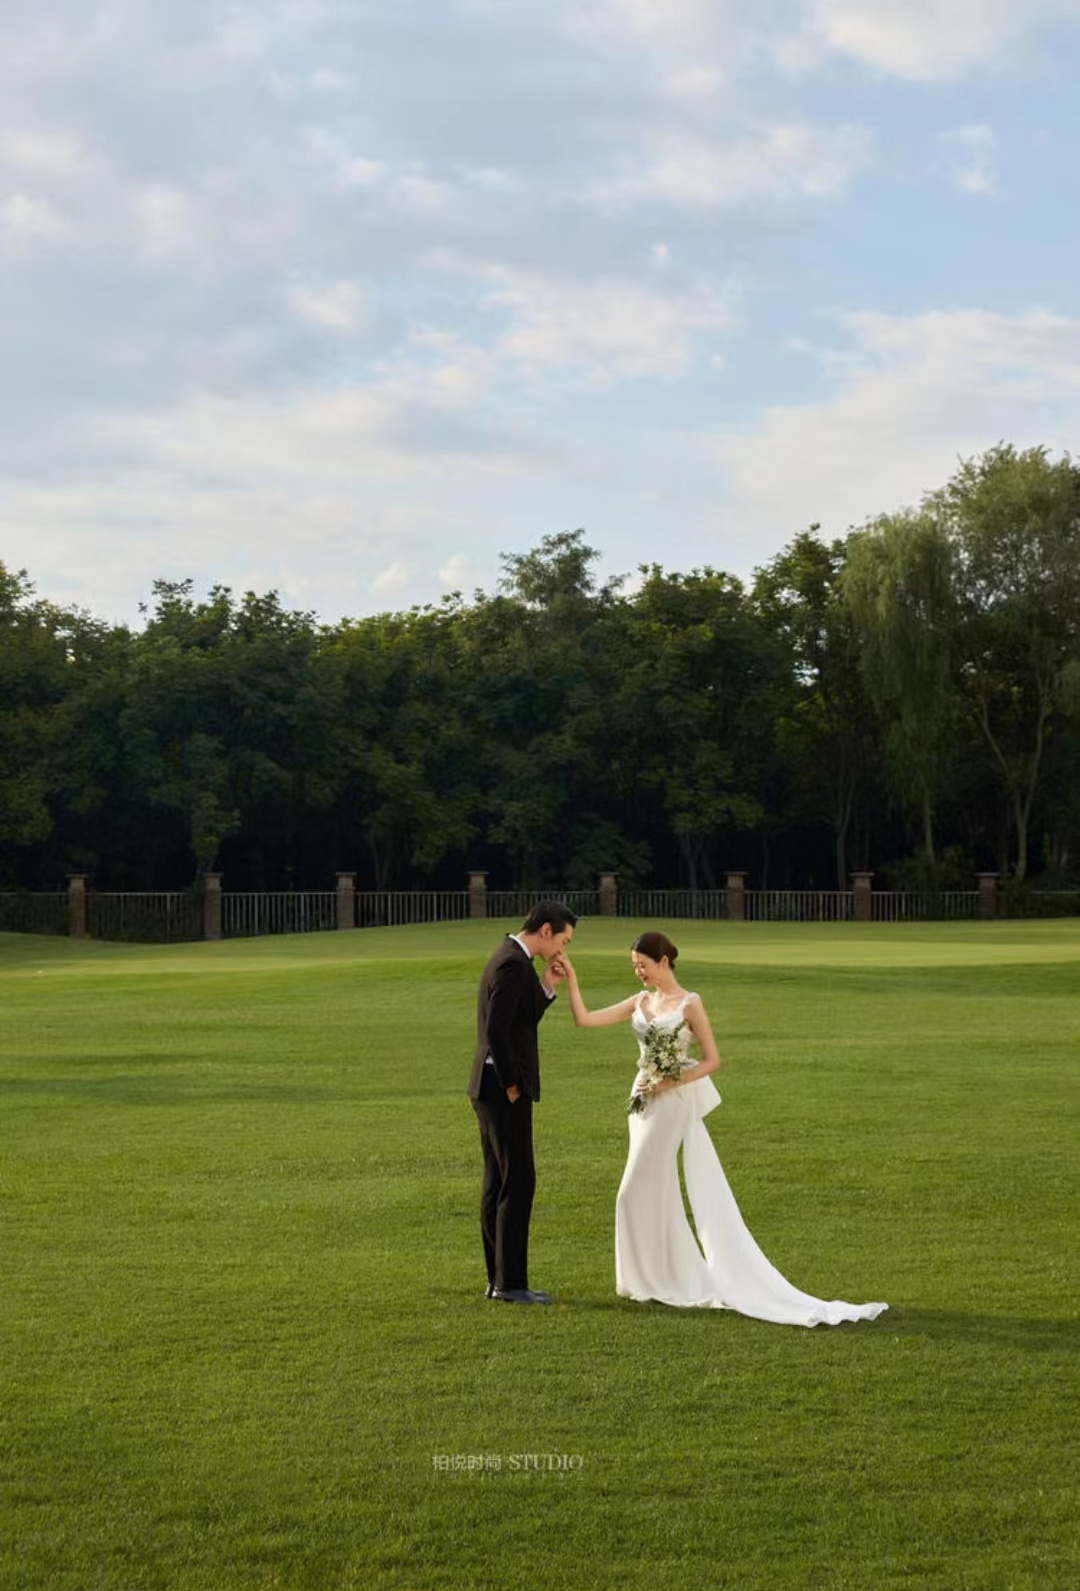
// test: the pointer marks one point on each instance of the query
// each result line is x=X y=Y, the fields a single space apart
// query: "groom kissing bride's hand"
x=657 y=1254
x=558 y=970
x=504 y=1083
x=554 y=974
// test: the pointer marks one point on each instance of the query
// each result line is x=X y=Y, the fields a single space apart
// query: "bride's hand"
x=565 y=965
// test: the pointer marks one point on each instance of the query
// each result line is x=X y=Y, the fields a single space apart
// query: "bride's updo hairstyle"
x=655 y=945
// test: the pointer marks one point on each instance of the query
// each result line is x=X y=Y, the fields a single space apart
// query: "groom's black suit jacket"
x=511 y=1002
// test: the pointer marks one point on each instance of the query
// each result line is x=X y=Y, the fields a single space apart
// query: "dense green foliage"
x=906 y=699
x=242 y=1311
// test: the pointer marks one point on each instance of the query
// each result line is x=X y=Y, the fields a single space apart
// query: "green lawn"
x=241 y=1311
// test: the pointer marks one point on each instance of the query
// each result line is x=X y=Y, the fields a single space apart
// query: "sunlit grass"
x=241 y=1306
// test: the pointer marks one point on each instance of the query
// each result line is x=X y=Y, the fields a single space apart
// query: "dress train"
x=656 y=1255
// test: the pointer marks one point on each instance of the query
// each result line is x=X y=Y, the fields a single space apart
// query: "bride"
x=656 y=1254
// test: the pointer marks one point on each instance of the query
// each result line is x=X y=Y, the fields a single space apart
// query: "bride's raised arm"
x=583 y=1017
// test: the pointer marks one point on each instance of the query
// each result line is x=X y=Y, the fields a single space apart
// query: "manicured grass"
x=241 y=1311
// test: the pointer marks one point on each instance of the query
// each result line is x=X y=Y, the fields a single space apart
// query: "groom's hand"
x=554 y=973
x=513 y=1093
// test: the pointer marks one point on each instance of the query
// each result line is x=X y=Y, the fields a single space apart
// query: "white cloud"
x=924 y=40
x=692 y=82
x=359 y=172
x=337 y=436
x=327 y=81
x=699 y=41
x=165 y=219
x=316 y=546
x=647 y=18
x=458 y=573
x=915 y=393
x=606 y=327
x=493 y=179
x=416 y=190
x=412 y=189
x=242 y=37
x=971 y=158
x=340 y=306
x=611 y=327
x=51 y=153
x=782 y=163
x=633 y=584
x=30 y=218
x=438 y=368
x=392 y=580
x=258 y=341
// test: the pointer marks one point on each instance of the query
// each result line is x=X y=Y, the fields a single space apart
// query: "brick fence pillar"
x=346 y=900
x=736 y=896
x=864 y=897
x=988 y=896
x=609 y=895
x=77 y=905
x=212 y=906
x=477 y=893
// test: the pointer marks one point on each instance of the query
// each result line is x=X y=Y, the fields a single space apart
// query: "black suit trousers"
x=509 y=1181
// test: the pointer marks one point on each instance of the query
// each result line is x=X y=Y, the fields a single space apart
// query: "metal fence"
x=922 y=906
x=249 y=914
x=165 y=916
x=751 y=905
x=517 y=903
x=22 y=913
x=800 y=905
x=383 y=908
x=1039 y=903
x=655 y=905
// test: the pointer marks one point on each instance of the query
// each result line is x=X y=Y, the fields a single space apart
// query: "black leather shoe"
x=521 y=1295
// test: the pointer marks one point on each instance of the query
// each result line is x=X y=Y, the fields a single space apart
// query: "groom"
x=505 y=1081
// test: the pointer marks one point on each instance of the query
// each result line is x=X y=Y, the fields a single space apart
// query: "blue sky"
x=348 y=299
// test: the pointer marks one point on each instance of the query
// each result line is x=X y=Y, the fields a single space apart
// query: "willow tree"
x=1014 y=522
x=899 y=589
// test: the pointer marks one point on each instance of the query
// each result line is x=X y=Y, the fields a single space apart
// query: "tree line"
x=906 y=698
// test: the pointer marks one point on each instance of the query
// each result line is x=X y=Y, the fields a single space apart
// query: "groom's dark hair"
x=549 y=911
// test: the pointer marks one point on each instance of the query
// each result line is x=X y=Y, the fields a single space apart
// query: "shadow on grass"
x=128 y=1090
x=953 y=1325
x=936 y=1325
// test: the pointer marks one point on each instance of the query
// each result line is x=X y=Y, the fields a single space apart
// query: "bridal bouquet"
x=663 y=1058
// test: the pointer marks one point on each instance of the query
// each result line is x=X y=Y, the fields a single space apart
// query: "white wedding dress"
x=656 y=1255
